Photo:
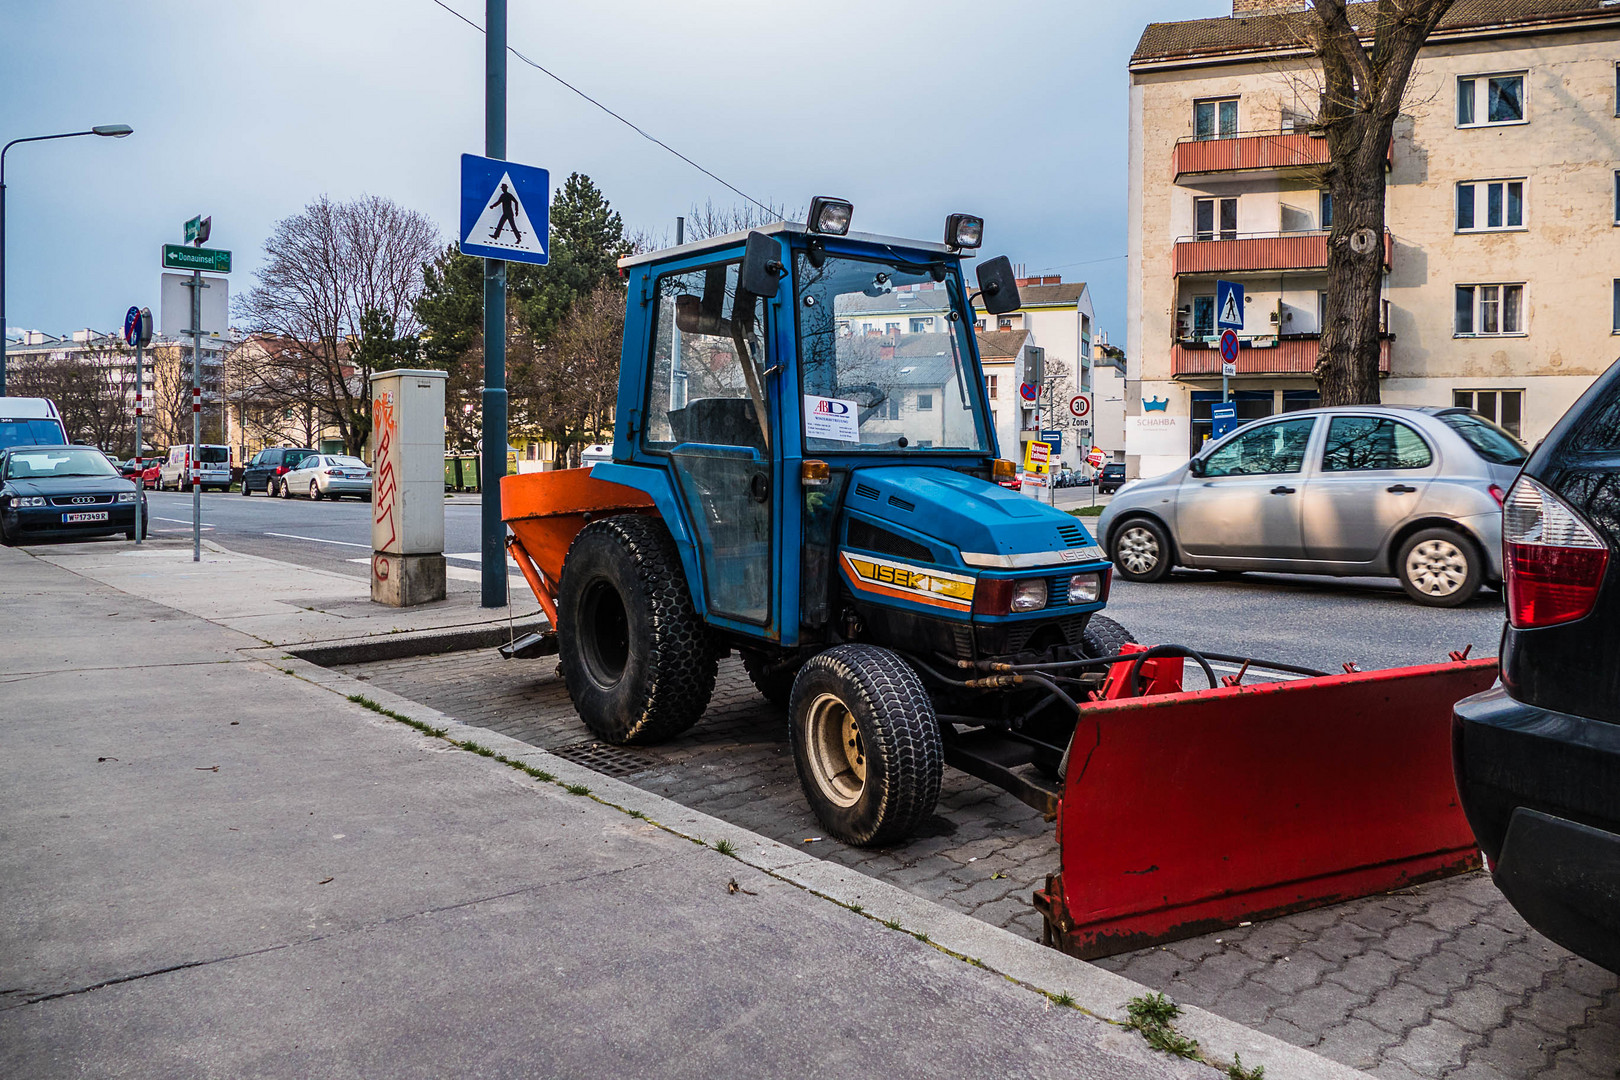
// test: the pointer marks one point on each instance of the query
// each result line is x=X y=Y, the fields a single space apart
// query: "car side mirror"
x=998 y=286
x=1196 y=466
x=762 y=267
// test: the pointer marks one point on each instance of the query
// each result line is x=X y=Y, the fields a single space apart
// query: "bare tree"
x=1366 y=66
x=567 y=388
x=338 y=279
x=92 y=390
x=711 y=220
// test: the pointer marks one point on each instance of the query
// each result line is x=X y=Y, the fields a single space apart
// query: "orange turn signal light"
x=814 y=473
x=1002 y=469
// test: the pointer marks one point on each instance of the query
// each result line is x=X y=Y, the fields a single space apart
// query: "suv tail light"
x=281 y=470
x=1554 y=562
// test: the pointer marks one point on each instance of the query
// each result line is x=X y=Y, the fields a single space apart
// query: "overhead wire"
x=633 y=127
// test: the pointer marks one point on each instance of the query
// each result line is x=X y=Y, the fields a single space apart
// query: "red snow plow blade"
x=1189 y=812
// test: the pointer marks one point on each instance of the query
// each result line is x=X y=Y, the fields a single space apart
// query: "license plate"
x=354 y=476
x=87 y=515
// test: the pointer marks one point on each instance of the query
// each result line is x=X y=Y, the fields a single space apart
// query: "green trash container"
x=450 y=474
x=469 y=473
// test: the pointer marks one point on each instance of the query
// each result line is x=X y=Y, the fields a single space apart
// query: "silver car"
x=328 y=476
x=1362 y=490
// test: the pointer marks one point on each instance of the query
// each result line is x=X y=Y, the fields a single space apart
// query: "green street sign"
x=180 y=257
x=198 y=228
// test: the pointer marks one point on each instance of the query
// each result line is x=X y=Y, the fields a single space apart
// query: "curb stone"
x=1042 y=969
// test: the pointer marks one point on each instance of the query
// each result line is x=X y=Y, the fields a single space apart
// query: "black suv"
x=265 y=471
x=1111 y=478
x=1537 y=758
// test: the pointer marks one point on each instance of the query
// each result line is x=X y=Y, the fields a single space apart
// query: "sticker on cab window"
x=831 y=418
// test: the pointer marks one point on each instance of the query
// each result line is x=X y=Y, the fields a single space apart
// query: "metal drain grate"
x=607 y=760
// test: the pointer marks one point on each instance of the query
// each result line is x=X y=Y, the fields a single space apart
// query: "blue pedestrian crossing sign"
x=505 y=210
x=1228 y=305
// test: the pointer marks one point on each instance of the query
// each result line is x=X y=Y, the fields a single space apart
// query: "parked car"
x=1111 y=478
x=328 y=476
x=268 y=466
x=211 y=466
x=1363 y=490
x=1537 y=758
x=26 y=421
x=62 y=491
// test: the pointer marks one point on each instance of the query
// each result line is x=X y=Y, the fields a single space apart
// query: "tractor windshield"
x=884 y=357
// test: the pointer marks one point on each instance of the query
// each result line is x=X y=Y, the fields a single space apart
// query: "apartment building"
x=1502 y=246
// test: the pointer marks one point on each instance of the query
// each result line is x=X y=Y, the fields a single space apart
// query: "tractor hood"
x=993 y=527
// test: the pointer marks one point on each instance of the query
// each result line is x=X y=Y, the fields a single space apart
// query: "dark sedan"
x=62 y=491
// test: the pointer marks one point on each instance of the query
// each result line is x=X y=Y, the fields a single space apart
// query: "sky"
x=247 y=110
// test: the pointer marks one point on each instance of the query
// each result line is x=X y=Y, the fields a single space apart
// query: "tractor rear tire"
x=772 y=676
x=635 y=655
x=1104 y=637
x=866 y=744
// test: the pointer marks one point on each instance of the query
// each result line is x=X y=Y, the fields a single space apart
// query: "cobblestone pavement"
x=1440 y=980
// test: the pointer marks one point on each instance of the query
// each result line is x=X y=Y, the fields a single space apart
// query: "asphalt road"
x=1316 y=622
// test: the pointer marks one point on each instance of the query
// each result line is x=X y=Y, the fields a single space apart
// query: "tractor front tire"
x=866 y=744
x=772 y=676
x=635 y=655
x=1105 y=637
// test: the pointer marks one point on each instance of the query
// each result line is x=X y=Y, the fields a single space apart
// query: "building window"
x=1617 y=89
x=1321 y=310
x=889 y=408
x=1004 y=323
x=1203 y=316
x=1617 y=198
x=1483 y=205
x=992 y=383
x=891 y=328
x=1215 y=119
x=925 y=402
x=1617 y=305
x=1215 y=217
x=1327 y=210
x=920 y=326
x=1490 y=99
x=1486 y=310
x=1502 y=407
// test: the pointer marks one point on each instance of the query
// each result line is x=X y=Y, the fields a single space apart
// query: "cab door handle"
x=1399 y=489
x=1280 y=490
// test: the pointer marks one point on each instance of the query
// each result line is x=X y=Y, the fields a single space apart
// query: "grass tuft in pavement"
x=426 y=729
x=1152 y=1015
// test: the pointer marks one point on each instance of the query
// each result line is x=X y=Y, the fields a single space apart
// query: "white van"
x=211 y=464
x=30 y=421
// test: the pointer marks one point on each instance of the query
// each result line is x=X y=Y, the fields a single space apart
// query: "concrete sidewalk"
x=213 y=864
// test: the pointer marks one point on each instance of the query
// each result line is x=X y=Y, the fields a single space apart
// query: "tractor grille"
x=895 y=500
x=1057 y=591
x=1073 y=627
x=866 y=491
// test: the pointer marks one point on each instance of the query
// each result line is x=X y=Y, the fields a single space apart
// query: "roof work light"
x=830 y=216
x=964 y=231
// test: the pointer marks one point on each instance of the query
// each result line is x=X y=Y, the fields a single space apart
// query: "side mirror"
x=998 y=286
x=1196 y=467
x=691 y=317
x=762 y=267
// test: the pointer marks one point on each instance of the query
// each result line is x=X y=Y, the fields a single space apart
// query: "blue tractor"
x=817 y=489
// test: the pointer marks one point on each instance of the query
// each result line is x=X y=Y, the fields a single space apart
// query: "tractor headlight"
x=1085 y=588
x=830 y=216
x=964 y=231
x=1029 y=595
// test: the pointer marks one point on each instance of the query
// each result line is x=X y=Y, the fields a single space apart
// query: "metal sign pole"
x=140 y=461
x=493 y=548
x=196 y=414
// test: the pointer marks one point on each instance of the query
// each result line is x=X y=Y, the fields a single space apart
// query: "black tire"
x=1105 y=637
x=283 y=490
x=772 y=676
x=6 y=539
x=314 y=491
x=635 y=655
x=866 y=744
x=1439 y=567
x=245 y=490
x=1140 y=550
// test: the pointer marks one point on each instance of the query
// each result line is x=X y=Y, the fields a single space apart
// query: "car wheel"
x=1439 y=568
x=866 y=744
x=244 y=489
x=1141 y=550
x=636 y=657
x=6 y=539
x=315 y=491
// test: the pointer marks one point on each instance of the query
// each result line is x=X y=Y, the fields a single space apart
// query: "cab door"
x=707 y=409
x=1246 y=505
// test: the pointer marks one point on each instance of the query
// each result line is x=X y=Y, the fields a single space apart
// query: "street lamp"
x=111 y=131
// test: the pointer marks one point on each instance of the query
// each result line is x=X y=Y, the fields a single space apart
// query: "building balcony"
x=1292 y=354
x=1245 y=253
x=1253 y=155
